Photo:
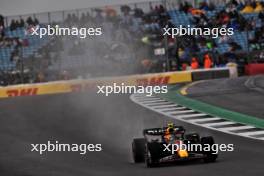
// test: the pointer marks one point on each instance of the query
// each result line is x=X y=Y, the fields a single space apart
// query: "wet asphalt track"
x=244 y=94
x=112 y=121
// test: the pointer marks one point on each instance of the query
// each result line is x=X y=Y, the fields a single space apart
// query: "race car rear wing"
x=154 y=131
x=161 y=131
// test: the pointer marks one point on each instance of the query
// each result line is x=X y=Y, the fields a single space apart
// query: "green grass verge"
x=175 y=96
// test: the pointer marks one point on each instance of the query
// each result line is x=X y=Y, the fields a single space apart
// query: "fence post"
x=63 y=16
x=6 y=22
x=166 y=40
x=49 y=19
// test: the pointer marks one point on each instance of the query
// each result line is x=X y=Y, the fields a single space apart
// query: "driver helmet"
x=170 y=127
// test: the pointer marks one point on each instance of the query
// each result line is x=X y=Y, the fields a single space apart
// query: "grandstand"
x=133 y=33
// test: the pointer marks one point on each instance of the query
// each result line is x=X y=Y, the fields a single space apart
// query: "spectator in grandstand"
x=223 y=18
x=30 y=21
x=14 y=56
x=234 y=46
x=83 y=19
x=200 y=19
x=234 y=25
x=126 y=18
x=151 y=25
x=35 y=22
x=196 y=12
x=68 y=20
x=183 y=55
x=2 y=21
x=224 y=39
x=2 y=32
x=220 y=60
x=13 y=25
x=206 y=6
x=64 y=75
x=40 y=77
x=158 y=9
x=194 y=63
x=146 y=65
x=8 y=42
x=208 y=61
x=243 y=23
x=261 y=57
x=138 y=13
x=185 y=6
x=184 y=66
x=125 y=9
x=98 y=19
x=22 y=23
x=259 y=7
x=210 y=44
x=88 y=18
x=253 y=6
x=25 y=42
x=232 y=11
x=248 y=8
x=2 y=42
x=256 y=41
x=261 y=16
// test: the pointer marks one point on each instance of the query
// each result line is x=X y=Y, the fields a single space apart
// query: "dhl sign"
x=165 y=78
x=154 y=81
x=22 y=92
x=86 y=85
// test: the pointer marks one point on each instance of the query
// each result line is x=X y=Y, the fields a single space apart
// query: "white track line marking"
x=219 y=123
x=262 y=138
x=205 y=119
x=236 y=128
x=190 y=115
x=252 y=133
x=149 y=98
x=156 y=102
x=165 y=106
x=151 y=101
x=161 y=109
x=180 y=112
x=171 y=110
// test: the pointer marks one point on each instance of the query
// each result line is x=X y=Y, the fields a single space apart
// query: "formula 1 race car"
x=170 y=143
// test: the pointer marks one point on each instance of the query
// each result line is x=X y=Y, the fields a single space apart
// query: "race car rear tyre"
x=138 y=149
x=209 y=155
x=150 y=163
x=149 y=160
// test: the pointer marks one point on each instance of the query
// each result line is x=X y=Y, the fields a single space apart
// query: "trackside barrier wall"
x=134 y=80
x=210 y=74
x=254 y=69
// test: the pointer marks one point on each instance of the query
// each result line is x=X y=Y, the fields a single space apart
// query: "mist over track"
x=112 y=121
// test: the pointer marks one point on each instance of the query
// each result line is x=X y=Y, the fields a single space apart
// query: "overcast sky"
x=17 y=7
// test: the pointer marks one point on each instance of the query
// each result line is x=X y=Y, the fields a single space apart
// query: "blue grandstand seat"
x=180 y=18
x=34 y=44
